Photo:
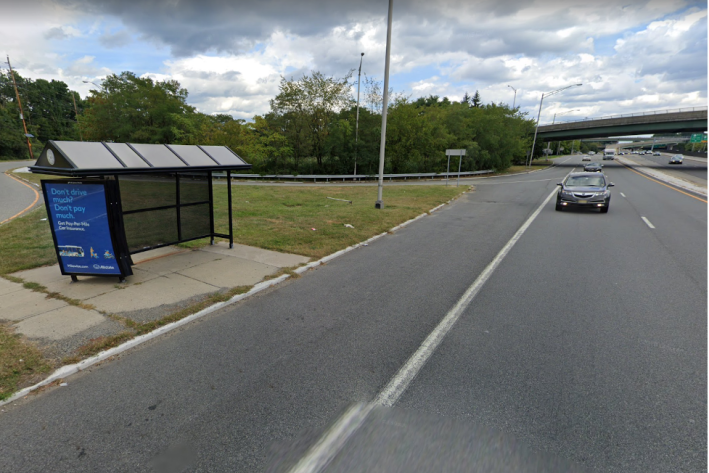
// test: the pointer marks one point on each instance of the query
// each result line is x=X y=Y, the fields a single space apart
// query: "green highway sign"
x=698 y=138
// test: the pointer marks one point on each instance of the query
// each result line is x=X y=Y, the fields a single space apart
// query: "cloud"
x=115 y=40
x=231 y=55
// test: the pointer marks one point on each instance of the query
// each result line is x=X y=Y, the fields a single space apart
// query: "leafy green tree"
x=305 y=110
x=476 y=101
x=129 y=108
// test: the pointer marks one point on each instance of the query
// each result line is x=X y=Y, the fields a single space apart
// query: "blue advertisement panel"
x=79 y=219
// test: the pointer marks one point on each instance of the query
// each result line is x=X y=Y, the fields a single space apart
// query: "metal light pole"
x=359 y=79
x=514 y=100
x=547 y=94
x=385 y=104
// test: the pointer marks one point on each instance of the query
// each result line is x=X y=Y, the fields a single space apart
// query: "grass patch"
x=97 y=345
x=26 y=243
x=21 y=364
x=282 y=218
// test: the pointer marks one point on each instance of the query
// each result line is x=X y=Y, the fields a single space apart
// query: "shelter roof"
x=90 y=158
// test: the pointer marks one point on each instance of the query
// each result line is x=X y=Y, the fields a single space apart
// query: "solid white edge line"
x=68 y=370
x=647 y=222
x=396 y=387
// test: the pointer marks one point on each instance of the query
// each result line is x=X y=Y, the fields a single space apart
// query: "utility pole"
x=76 y=114
x=379 y=204
x=359 y=79
x=19 y=104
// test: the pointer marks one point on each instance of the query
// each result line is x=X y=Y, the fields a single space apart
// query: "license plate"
x=583 y=202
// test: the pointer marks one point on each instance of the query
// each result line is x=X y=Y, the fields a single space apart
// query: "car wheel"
x=558 y=206
x=604 y=210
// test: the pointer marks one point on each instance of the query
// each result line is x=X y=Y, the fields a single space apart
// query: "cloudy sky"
x=630 y=55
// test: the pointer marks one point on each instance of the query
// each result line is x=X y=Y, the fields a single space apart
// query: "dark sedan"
x=584 y=189
x=676 y=159
x=593 y=167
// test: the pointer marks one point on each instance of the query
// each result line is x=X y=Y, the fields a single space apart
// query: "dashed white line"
x=648 y=222
x=622 y=194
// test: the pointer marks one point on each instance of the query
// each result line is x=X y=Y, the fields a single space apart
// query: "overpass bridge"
x=663 y=121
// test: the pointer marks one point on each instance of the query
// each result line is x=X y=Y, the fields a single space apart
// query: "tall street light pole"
x=547 y=94
x=359 y=79
x=385 y=104
x=514 y=100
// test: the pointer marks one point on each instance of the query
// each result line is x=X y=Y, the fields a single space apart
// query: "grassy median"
x=302 y=220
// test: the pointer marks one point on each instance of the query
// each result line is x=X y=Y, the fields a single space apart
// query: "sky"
x=630 y=56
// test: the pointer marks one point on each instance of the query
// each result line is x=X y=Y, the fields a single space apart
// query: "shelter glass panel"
x=193 y=155
x=159 y=156
x=127 y=155
x=147 y=191
x=88 y=155
x=194 y=187
x=223 y=155
x=195 y=221
x=151 y=228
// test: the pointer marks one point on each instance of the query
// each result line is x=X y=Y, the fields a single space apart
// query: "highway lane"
x=574 y=348
x=14 y=196
x=693 y=167
x=588 y=344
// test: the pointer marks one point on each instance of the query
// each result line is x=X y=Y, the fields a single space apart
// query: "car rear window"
x=585 y=181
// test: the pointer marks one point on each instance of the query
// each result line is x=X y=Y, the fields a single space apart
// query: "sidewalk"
x=164 y=281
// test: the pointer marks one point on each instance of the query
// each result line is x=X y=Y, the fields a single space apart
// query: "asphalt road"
x=695 y=167
x=586 y=347
x=14 y=196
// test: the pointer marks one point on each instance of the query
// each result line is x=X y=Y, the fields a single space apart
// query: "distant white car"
x=586 y=158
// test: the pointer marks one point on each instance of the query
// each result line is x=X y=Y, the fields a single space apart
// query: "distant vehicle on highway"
x=593 y=167
x=584 y=189
x=591 y=153
x=609 y=153
x=648 y=152
x=676 y=159
x=656 y=153
x=586 y=158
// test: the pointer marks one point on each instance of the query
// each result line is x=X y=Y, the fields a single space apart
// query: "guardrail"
x=351 y=177
x=628 y=115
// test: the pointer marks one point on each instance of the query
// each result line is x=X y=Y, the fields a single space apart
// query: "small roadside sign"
x=455 y=152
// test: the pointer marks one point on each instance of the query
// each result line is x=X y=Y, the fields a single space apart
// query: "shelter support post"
x=177 y=206
x=211 y=209
x=231 y=225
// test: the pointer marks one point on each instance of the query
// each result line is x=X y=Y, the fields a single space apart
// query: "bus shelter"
x=120 y=199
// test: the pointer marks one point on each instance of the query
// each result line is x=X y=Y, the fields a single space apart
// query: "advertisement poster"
x=79 y=219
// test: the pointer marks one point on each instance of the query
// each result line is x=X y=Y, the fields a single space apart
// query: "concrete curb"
x=68 y=370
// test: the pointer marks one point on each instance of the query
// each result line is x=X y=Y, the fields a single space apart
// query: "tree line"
x=311 y=126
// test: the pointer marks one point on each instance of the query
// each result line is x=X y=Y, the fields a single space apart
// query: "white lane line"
x=396 y=387
x=330 y=444
x=334 y=439
x=648 y=222
x=622 y=194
